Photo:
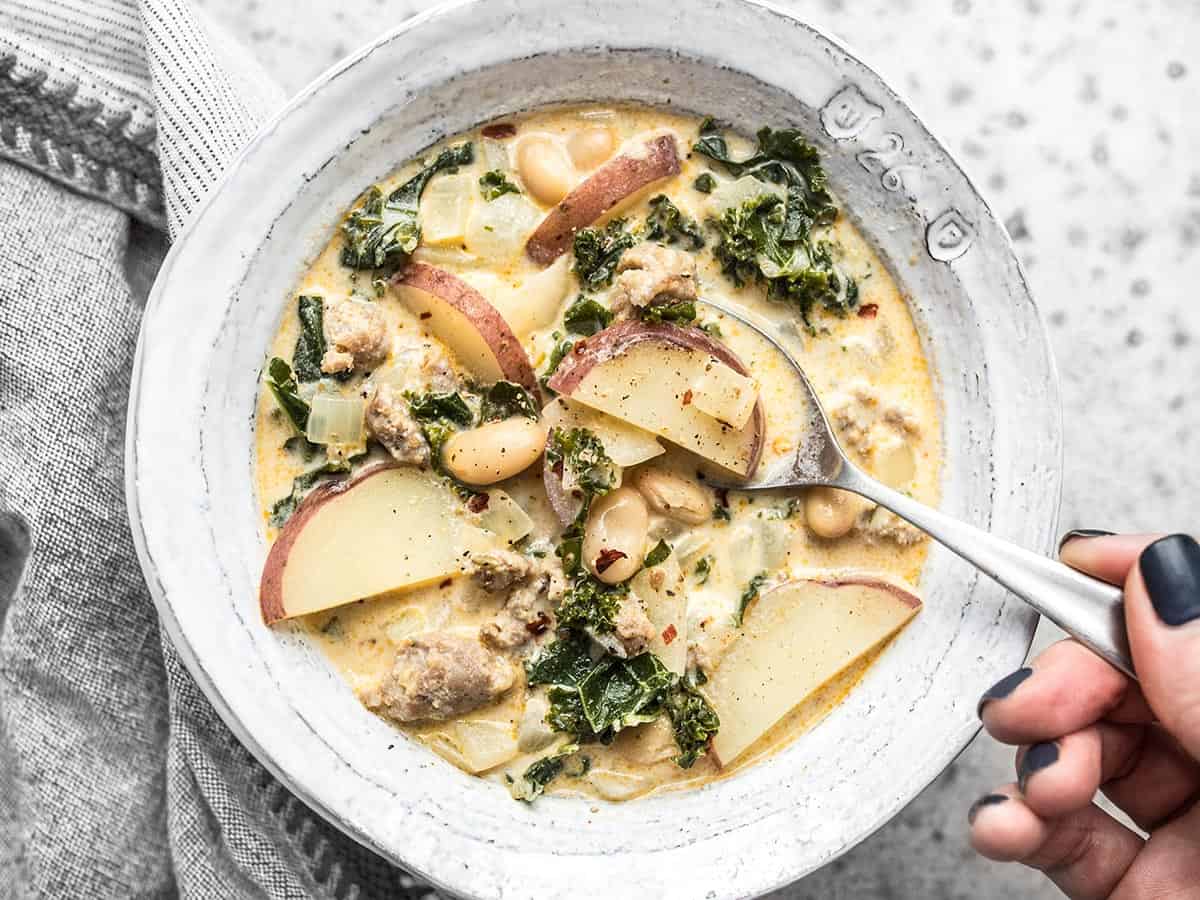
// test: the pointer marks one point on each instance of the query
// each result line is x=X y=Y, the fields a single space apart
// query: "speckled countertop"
x=1078 y=120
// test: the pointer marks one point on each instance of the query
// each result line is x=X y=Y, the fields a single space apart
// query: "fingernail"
x=1171 y=570
x=985 y=800
x=1037 y=757
x=1082 y=533
x=1002 y=688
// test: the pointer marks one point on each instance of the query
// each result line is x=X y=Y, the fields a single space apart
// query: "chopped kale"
x=703 y=569
x=495 y=184
x=704 y=183
x=586 y=316
x=283 y=509
x=712 y=329
x=679 y=312
x=436 y=434
x=534 y=781
x=694 y=723
x=721 y=513
x=504 y=399
x=383 y=232
x=591 y=604
x=310 y=345
x=449 y=406
x=566 y=662
x=582 y=452
x=303 y=447
x=284 y=389
x=618 y=693
x=566 y=712
x=557 y=355
x=598 y=250
x=749 y=595
x=789 y=509
x=667 y=224
x=658 y=555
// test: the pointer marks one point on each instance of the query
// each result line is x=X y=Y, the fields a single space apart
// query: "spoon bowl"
x=1088 y=609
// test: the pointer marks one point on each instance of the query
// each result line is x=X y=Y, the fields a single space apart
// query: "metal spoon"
x=1088 y=609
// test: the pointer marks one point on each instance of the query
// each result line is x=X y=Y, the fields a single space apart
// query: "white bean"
x=614 y=537
x=675 y=496
x=830 y=513
x=591 y=146
x=544 y=169
x=494 y=452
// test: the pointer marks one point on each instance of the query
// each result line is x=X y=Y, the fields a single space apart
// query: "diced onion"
x=504 y=517
x=333 y=419
x=497 y=230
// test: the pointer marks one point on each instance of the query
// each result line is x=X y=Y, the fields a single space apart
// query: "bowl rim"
x=157 y=297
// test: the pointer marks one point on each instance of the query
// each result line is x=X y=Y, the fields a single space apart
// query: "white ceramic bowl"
x=219 y=298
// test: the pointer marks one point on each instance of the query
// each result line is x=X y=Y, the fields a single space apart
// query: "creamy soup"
x=491 y=423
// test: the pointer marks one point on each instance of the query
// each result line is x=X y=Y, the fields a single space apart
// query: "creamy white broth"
x=880 y=354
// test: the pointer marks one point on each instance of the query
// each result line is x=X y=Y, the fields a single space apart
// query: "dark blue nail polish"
x=1037 y=757
x=985 y=800
x=1171 y=570
x=1082 y=533
x=1003 y=688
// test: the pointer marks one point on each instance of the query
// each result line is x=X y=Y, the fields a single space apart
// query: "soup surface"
x=491 y=419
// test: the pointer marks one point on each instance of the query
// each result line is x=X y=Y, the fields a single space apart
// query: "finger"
x=1158 y=782
x=1162 y=613
x=1059 y=777
x=1086 y=853
x=1066 y=689
x=1108 y=557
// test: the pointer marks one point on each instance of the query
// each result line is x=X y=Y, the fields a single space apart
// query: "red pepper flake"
x=607 y=557
x=426 y=315
x=478 y=502
x=687 y=397
x=868 y=311
x=669 y=634
x=499 y=131
x=540 y=625
x=445 y=584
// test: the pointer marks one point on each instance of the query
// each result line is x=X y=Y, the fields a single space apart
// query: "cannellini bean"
x=544 y=169
x=494 y=452
x=830 y=513
x=675 y=496
x=591 y=146
x=614 y=537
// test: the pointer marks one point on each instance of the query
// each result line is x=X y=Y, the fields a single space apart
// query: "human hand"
x=1081 y=726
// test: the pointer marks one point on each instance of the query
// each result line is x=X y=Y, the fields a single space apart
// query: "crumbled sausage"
x=649 y=271
x=440 y=675
x=859 y=409
x=394 y=427
x=883 y=525
x=634 y=629
x=533 y=588
x=356 y=336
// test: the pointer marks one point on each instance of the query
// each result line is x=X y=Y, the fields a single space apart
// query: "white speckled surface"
x=1075 y=121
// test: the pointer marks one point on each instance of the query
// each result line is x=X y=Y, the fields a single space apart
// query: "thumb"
x=1162 y=613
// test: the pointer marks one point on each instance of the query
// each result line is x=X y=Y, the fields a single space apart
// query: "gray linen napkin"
x=117 y=779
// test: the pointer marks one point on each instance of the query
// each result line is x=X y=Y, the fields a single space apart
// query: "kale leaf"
x=495 y=184
x=504 y=399
x=598 y=250
x=566 y=713
x=658 y=555
x=704 y=183
x=540 y=773
x=383 y=232
x=284 y=389
x=449 y=406
x=585 y=316
x=693 y=721
x=557 y=355
x=566 y=662
x=618 y=693
x=667 y=224
x=590 y=604
x=283 y=508
x=749 y=595
x=703 y=568
x=680 y=312
x=310 y=345
x=582 y=452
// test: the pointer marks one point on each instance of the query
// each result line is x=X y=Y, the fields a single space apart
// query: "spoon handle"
x=1090 y=610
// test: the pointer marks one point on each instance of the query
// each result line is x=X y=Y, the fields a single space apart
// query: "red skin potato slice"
x=511 y=356
x=270 y=591
x=617 y=339
x=608 y=186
